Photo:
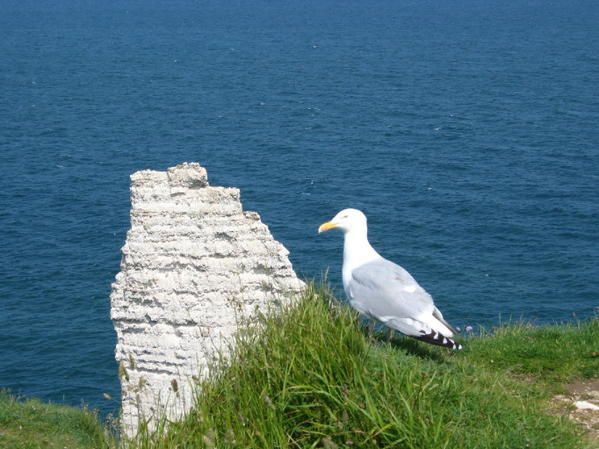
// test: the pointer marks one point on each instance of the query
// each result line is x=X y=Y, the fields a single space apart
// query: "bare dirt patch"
x=581 y=404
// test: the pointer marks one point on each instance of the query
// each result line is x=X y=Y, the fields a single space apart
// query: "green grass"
x=311 y=377
x=31 y=424
x=554 y=354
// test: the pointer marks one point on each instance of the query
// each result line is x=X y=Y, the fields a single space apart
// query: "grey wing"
x=384 y=290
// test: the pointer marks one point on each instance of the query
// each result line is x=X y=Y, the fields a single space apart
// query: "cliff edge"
x=194 y=266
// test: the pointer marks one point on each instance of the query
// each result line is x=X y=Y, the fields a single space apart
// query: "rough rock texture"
x=581 y=404
x=194 y=265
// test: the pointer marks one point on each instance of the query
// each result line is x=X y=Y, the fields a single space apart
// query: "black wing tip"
x=435 y=338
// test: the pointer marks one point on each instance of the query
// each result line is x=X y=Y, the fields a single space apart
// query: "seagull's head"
x=347 y=220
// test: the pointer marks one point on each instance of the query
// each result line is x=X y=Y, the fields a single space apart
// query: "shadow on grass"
x=380 y=334
x=410 y=345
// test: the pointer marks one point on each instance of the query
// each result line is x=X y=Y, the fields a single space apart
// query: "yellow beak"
x=326 y=226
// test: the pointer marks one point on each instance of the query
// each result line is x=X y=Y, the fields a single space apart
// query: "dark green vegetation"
x=311 y=377
x=32 y=424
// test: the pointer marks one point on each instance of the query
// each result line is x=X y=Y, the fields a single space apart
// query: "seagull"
x=384 y=291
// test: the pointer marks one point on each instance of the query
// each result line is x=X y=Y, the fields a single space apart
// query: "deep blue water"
x=466 y=130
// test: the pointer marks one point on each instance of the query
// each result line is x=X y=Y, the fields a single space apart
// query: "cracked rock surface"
x=193 y=267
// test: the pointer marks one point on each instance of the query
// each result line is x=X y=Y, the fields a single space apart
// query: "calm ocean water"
x=466 y=130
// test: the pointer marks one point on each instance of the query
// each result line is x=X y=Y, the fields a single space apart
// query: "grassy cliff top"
x=312 y=377
x=31 y=424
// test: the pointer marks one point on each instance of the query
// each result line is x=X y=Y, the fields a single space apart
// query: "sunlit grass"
x=311 y=376
x=31 y=424
x=555 y=354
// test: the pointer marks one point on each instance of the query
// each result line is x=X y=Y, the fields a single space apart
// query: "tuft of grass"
x=311 y=377
x=31 y=424
x=554 y=354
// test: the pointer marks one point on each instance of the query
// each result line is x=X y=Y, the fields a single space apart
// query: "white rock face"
x=585 y=405
x=194 y=265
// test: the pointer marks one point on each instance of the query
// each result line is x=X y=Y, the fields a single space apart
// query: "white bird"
x=384 y=291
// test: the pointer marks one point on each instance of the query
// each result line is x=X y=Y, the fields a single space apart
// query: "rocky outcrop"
x=580 y=402
x=194 y=266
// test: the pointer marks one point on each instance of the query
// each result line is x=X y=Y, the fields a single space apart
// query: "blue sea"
x=467 y=131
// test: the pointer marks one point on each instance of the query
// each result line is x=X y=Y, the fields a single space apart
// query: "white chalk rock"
x=194 y=265
x=585 y=405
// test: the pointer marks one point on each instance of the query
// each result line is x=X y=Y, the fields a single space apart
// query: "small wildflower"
x=469 y=328
x=345 y=417
x=208 y=438
x=327 y=443
x=123 y=374
x=345 y=392
x=142 y=383
x=230 y=437
x=268 y=401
